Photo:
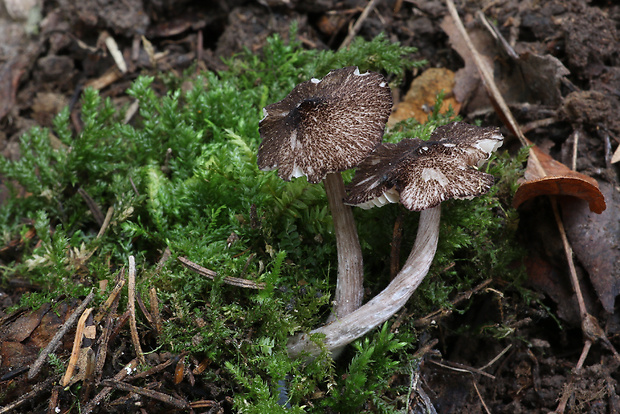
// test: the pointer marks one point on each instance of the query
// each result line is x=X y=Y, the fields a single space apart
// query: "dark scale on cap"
x=325 y=126
x=422 y=174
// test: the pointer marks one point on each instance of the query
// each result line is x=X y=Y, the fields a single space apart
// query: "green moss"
x=183 y=176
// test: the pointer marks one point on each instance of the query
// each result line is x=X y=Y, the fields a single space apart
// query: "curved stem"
x=385 y=304
x=349 y=286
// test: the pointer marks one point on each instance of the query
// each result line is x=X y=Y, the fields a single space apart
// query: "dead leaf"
x=595 y=239
x=525 y=77
x=551 y=177
x=420 y=98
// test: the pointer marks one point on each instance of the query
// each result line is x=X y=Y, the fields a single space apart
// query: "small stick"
x=160 y=396
x=358 y=24
x=38 y=388
x=234 y=281
x=145 y=312
x=159 y=367
x=155 y=309
x=77 y=344
x=575 y=150
x=132 y=310
x=120 y=282
x=455 y=366
x=473 y=380
x=102 y=350
x=494 y=360
x=92 y=206
x=124 y=372
x=53 y=344
x=106 y=222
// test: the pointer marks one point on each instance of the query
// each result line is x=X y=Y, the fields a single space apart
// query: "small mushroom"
x=321 y=128
x=421 y=175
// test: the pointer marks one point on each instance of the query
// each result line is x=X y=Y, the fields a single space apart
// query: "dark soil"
x=534 y=367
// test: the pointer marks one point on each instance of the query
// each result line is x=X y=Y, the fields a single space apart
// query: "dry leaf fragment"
x=559 y=180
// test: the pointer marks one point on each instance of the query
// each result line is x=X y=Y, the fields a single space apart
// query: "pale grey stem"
x=354 y=325
x=349 y=285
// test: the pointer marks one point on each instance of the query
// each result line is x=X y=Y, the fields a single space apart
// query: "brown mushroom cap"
x=422 y=174
x=324 y=126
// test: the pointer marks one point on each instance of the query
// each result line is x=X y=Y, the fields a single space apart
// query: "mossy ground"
x=183 y=176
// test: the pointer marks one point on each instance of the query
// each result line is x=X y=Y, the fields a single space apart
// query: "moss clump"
x=183 y=176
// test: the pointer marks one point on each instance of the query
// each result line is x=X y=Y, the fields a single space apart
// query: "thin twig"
x=358 y=24
x=51 y=347
x=77 y=344
x=455 y=366
x=124 y=372
x=120 y=282
x=106 y=222
x=575 y=150
x=37 y=389
x=159 y=367
x=494 y=360
x=155 y=310
x=160 y=396
x=569 y=256
x=234 y=281
x=473 y=381
x=132 y=310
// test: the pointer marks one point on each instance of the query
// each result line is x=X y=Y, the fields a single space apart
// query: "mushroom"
x=421 y=175
x=321 y=128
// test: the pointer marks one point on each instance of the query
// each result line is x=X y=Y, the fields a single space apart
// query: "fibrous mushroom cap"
x=326 y=125
x=422 y=174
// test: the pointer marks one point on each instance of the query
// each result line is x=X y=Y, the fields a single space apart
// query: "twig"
x=145 y=312
x=494 y=360
x=102 y=350
x=51 y=347
x=124 y=372
x=155 y=309
x=568 y=389
x=575 y=150
x=37 y=389
x=234 y=281
x=473 y=381
x=358 y=24
x=425 y=320
x=569 y=256
x=106 y=222
x=92 y=206
x=132 y=310
x=159 y=367
x=120 y=282
x=455 y=366
x=77 y=345
x=160 y=396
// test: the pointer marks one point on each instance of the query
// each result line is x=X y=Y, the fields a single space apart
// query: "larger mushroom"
x=321 y=128
x=421 y=175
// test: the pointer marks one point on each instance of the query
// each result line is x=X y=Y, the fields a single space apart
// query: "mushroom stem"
x=349 y=285
x=385 y=304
